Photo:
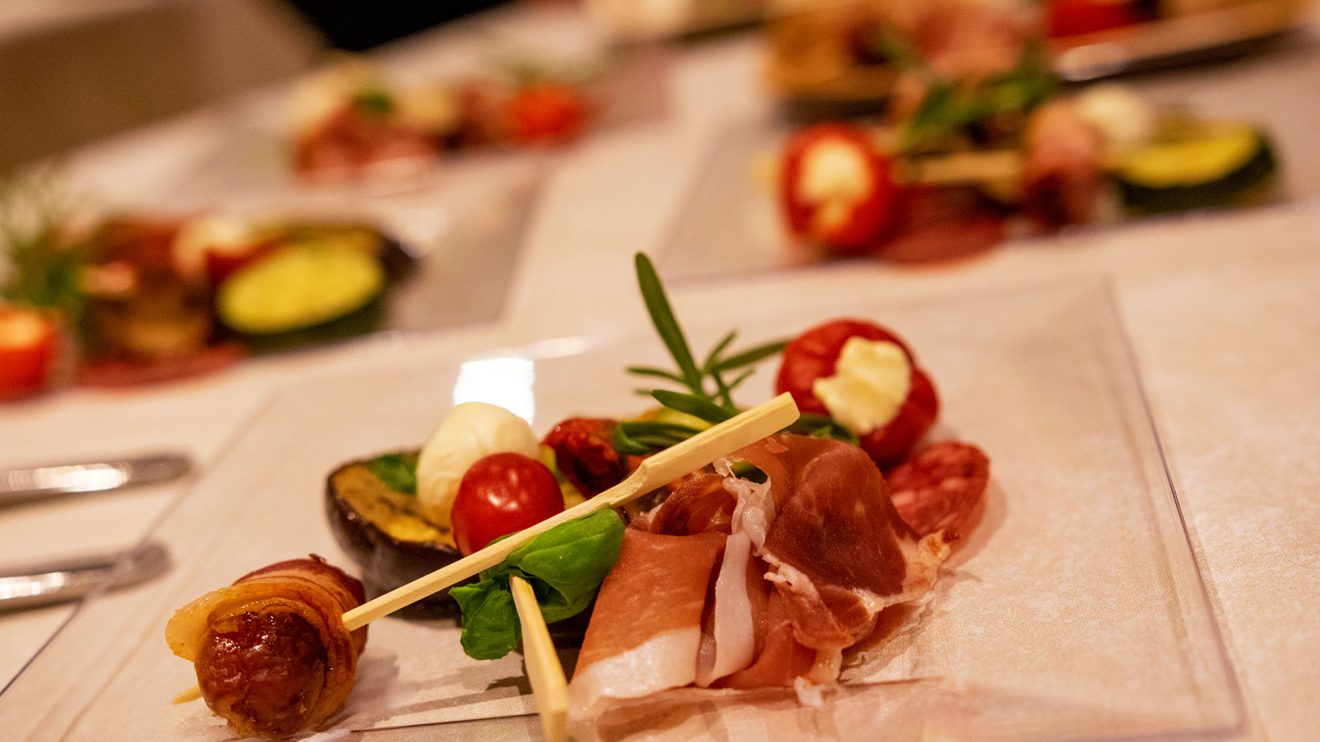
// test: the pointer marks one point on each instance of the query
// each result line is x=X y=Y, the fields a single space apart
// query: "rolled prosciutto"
x=736 y=583
x=271 y=651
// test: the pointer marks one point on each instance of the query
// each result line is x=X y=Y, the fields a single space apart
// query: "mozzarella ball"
x=472 y=431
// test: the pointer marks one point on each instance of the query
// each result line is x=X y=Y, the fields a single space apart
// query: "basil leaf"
x=570 y=562
x=490 y=620
x=564 y=566
x=398 y=471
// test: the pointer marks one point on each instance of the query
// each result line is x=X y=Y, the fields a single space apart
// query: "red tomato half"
x=502 y=493
x=814 y=355
x=27 y=351
x=547 y=113
x=1076 y=17
x=866 y=219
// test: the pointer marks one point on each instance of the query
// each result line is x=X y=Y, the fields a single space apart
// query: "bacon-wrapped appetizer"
x=271 y=651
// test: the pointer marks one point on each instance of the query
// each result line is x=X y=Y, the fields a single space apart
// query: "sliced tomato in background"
x=28 y=343
x=548 y=113
x=1077 y=17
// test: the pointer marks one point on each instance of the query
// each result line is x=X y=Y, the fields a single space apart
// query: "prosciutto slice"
x=838 y=551
x=732 y=583
x=645 y=632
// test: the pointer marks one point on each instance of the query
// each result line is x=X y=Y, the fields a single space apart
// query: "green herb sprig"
x=44 y=264
x=951 y=106
x=706 y=387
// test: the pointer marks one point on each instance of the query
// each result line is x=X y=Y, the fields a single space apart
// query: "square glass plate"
x=1075 y=610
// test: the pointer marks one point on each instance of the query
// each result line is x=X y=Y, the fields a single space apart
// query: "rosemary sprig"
x=706 y=389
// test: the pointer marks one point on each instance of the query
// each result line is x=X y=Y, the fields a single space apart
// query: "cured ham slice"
x=802 y=564
x=781 y=660
x=645 y=632
x=271 y=652
x=838 y=551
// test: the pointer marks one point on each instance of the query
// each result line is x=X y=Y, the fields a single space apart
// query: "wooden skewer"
x=664 y=467
x=543 y=668
x=718 y=440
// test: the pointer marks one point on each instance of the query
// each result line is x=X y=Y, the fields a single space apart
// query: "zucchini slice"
x=1217 y=165
x=298 y=287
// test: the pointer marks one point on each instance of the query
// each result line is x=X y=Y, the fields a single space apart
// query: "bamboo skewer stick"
x=543 y=668
x=654 y=472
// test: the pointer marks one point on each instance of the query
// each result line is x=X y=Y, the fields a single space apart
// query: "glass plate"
x=1076 y=610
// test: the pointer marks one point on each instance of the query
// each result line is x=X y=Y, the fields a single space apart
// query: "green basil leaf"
x=398 y=471
x=490 y=621
x=570 y=562
x=564 y=566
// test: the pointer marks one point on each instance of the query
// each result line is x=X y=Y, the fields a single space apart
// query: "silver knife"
x=27 y=586
x=20 y=485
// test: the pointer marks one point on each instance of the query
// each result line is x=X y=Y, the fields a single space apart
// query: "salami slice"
x=940 y=487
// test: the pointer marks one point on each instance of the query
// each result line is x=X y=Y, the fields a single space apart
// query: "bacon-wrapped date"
x=271 y=651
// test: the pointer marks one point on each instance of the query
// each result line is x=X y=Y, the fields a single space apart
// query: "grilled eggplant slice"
x=381 y=528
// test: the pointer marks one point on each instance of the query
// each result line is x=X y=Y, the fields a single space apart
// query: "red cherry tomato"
x=1077 y=17
x=502 y=493
x=862 y=222
x=814 y=355
x=28 y=342
x=547 y=113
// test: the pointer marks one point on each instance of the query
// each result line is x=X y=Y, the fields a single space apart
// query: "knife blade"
x=23 y=484
x=28 y=586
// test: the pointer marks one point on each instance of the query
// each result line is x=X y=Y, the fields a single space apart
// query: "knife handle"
x=20 y=485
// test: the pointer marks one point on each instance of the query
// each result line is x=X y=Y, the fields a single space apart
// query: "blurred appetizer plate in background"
x=834 y=58
x=133 y=295
x=1079 y=583
x=372 y=123
x=770 y=196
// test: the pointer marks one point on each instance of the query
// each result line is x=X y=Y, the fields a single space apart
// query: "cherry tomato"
x=547 y=113
x=502 y=493
x=814 y=355
x=28 y=341
x=849 y=205
x=1077 y=17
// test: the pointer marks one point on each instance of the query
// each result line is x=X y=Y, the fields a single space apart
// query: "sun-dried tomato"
x=585 y=456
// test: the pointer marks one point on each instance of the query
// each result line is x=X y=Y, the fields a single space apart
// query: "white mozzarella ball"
x=473 y=430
